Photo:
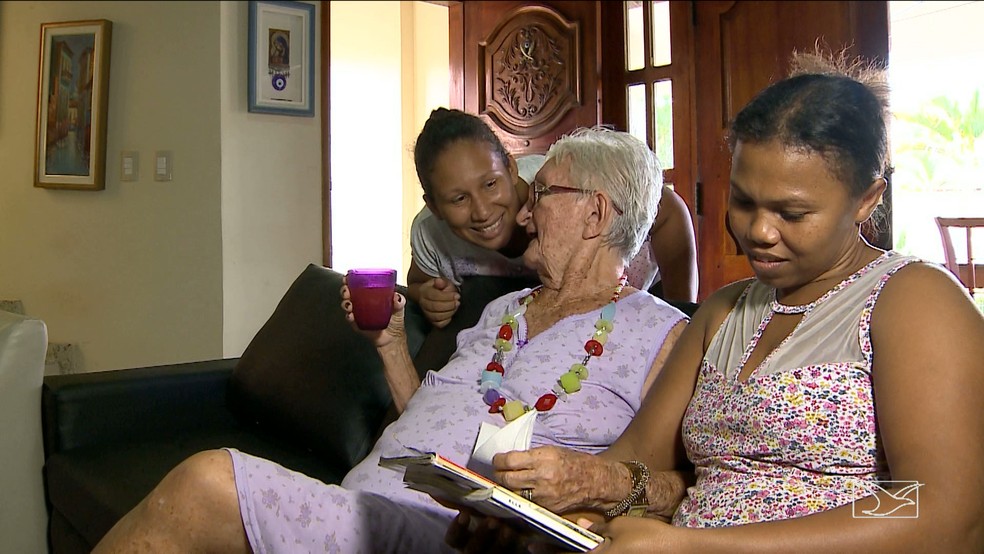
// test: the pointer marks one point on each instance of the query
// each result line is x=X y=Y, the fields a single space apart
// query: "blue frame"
x=283 y=107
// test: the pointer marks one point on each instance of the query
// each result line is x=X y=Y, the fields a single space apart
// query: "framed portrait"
x=73 y=97
x=281 y=57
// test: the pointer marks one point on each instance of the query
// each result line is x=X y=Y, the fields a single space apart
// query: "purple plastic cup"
x=371 y=292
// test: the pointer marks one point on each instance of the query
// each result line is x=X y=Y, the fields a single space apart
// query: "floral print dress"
x=799 y=436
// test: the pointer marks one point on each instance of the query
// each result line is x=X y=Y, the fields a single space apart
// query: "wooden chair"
x=966 y=272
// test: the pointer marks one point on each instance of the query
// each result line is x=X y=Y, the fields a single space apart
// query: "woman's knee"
x=202 y=480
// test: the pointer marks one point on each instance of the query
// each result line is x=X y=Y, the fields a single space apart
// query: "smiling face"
x=474 y=192
x=795 y=221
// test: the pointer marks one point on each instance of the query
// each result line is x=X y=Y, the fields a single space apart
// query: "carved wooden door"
x=741 y=47
x=531 y=71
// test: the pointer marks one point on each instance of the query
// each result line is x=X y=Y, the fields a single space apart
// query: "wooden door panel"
x=531 y=71
x=741 y=47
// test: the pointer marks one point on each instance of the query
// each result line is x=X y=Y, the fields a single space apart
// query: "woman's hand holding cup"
x=372 y=305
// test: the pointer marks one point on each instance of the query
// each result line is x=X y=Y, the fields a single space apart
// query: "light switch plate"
x=129 y=165
x=162 y=165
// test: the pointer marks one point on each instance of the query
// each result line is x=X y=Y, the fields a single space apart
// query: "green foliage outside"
x=939 y=147
x=938 y=153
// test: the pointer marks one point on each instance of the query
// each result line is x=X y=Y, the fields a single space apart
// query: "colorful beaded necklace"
x=568 y=383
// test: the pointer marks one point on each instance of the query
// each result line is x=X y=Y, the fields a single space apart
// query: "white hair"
x=623 y=167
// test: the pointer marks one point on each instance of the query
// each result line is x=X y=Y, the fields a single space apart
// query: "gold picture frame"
x=73 y=98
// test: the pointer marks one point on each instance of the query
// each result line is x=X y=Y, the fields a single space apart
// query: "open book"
x=435 y=475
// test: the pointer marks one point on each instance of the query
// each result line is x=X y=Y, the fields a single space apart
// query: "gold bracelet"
x=636 y=503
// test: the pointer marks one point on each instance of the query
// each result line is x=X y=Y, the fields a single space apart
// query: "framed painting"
x=281 y=57
x=73 y=97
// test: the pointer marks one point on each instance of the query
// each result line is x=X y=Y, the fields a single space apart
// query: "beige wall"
x=131 y=274
x=271 y=191
x=147 y=273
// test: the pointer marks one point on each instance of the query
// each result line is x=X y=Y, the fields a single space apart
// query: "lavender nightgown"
x=372 y=511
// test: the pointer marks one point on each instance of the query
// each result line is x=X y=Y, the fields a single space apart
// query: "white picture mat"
x=295 y=21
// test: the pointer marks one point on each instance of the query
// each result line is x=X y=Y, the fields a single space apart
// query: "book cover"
x=437 y=476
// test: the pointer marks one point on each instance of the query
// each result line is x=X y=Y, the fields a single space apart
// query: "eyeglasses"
x=539 y=190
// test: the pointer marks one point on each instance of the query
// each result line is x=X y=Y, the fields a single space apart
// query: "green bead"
x=580 y=370
x=570 y=382
x=503 y=345
x=601 y=336
x=604 y=325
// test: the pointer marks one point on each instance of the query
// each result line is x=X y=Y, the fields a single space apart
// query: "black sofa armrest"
x=135 y=404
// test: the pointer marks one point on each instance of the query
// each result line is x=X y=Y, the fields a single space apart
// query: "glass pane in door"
x=634 y=37
x=661 y=34
x=663 y=117
x=637 y=112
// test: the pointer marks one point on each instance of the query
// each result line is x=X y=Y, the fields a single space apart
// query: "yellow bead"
x=509 y=320
x=601 y=336
x=513 y=409
x=604 y=325
x=570 y=382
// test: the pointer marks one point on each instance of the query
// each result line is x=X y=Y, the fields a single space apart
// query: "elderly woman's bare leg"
x=194 y=508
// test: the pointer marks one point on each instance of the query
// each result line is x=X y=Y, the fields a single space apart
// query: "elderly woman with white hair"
x=581 y=349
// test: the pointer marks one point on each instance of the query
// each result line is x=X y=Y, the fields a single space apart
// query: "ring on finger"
x=527 y=494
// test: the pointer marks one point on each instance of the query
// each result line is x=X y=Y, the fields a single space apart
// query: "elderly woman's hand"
x=439 y=299
x=560 y=479
x=394 y=331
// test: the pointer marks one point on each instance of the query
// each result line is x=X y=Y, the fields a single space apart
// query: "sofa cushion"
x=91 y=488
x=309 y=377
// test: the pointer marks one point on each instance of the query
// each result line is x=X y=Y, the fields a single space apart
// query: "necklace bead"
x=568 y=383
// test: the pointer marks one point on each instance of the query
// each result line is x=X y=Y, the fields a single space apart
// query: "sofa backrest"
x=308 y=377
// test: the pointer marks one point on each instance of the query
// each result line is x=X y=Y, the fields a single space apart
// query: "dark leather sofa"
x=308 y=392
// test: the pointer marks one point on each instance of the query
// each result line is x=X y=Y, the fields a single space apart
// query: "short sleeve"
x=423 y=249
